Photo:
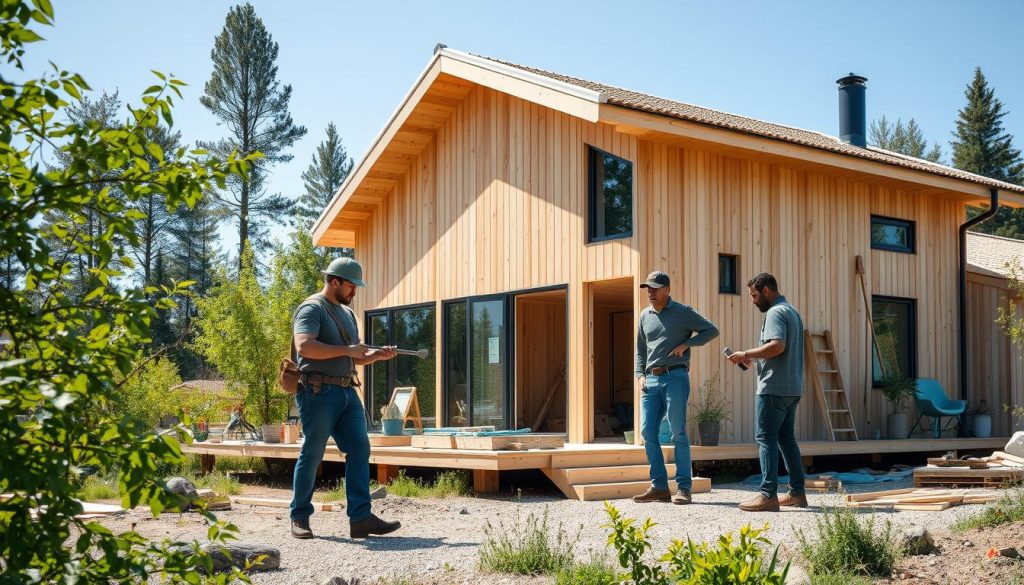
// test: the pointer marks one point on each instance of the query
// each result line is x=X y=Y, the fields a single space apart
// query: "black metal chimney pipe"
x=993 y=208
x=853 y=110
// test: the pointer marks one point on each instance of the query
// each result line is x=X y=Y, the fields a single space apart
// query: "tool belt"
x=662 y=370
x=314 y=381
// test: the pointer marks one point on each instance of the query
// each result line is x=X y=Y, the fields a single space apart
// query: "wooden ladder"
x=828 y=381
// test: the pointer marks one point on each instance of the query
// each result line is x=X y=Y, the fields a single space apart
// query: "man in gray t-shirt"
x=780 y=383
x=326 y=340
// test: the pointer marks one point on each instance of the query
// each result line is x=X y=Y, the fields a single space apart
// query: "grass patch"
x=1009 y=508
x=97 y=488
x=846 y=544
x=840 y=579
x=527 y=548
x=335 y=493
x=595 y=571
x=222 y=483
x=447 y=484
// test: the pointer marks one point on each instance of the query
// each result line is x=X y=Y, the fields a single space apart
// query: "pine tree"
x=981 y=146
x=244 y=93
x=908 y=140
x=11 y=272
x=157 y=219
x=328 y=170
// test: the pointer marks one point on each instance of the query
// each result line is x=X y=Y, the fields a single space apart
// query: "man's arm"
x=307 y=345
x=704 y=331
x=640 y=361
x=375 y=355
x=766 y=351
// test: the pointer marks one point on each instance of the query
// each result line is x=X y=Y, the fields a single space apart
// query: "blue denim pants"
x=333 y=412
x=776 y=421
x=667 y=393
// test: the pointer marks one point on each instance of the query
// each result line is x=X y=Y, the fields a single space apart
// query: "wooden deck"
x=581 y=471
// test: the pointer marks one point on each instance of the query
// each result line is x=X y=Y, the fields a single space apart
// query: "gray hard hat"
x=346 y=268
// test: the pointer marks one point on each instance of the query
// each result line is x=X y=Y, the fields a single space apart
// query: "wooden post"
x=320 y=470
x=876 y=457
x=386 y=473
x=206 y=462
x=485 y=481
x=808 y=460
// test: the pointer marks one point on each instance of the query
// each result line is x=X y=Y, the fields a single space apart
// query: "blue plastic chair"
x=932 y=401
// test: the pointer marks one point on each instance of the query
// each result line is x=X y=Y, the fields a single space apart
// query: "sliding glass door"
x=477 y=362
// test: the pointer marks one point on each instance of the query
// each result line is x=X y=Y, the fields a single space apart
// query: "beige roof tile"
x=989 y=254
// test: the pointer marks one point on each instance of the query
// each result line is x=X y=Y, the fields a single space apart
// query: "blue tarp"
x=862 y=475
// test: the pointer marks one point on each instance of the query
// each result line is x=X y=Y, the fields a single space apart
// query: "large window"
x=610 y=196
x=895 y=235
x=408 y=328
x=477 y=362
x=895 y=322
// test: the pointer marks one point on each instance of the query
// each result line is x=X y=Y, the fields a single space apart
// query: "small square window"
x=895 y=235
x=610 y=196
x=728 y=269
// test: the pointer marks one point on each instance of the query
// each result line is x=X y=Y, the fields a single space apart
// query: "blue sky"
x=352 y=62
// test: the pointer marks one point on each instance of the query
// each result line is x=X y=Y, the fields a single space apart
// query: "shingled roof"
x=701 y=115
x=987 y=254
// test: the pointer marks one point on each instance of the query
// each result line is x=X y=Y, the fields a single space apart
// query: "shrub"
x=222 y=483
x=1009 y=508
x=843 y=543
x=526 y=549
x=840 y=579
x=97 y=488
x=595 y=571
x=693 y=564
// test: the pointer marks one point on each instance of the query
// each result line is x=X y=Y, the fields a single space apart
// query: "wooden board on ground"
x=377 y=440
x=822 y=485
x=920 y=499
x=433 y=441
x=277 y=503
x=504 y=442
x=962 y=463
x=960 y=477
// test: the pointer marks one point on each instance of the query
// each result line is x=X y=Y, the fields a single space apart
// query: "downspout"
x=993 y=208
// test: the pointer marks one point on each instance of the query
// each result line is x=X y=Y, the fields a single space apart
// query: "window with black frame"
x=477 y=362
x=408 y=328
x=610 y=196
x=895 y=323
x=894 y=235
x=728 y=274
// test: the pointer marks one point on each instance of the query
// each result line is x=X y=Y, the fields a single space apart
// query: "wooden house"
x=505 y=217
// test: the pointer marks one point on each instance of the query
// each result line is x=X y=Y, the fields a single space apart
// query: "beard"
x=763 y=305
x=348 y=300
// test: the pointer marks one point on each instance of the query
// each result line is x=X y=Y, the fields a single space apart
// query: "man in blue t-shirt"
x=780 y=383
x=326 y=341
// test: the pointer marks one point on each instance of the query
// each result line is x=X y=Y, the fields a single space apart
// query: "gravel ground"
x=440 y=538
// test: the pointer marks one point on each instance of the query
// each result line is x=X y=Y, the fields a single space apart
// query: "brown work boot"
x=653 y=495
x=682 y=497
x=792 y=500
x=300 y=529
x=761 y=503
x=372 y=525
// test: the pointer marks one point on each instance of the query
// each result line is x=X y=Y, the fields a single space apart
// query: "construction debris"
x=999 y=470
x=277 y=503
x=920 y=499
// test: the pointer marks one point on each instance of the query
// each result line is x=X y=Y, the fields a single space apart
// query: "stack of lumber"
x=920 y=499
x=1000 y=470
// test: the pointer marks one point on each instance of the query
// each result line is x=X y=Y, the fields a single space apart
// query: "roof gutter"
x=992 y=209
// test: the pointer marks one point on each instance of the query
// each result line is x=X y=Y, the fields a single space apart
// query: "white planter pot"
x=898 y=427
x=981 y=426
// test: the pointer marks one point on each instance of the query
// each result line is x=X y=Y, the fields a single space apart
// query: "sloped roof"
x=701 y=115
x=989 y=255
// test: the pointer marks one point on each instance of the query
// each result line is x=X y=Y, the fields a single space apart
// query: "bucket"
x=393 y=426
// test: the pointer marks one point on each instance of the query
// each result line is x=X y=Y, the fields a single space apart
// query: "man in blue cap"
x=667 y=332
x=326 y=341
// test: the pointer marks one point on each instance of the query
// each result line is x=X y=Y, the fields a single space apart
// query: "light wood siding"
x=496 y=201
x=806 y=228
x=996 y=367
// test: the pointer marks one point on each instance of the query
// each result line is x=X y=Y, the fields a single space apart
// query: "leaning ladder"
x=828 y=382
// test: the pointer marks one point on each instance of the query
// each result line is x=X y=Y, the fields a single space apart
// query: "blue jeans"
x=667 y=393
x=333 y=412
x=776 y=419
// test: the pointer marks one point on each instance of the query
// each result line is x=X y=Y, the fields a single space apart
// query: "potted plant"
x=979 y=420
x=271 y=432
x=711 y=411
x=391 y=420
x=898 y=388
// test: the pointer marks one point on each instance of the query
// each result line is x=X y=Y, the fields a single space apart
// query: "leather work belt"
x=662 y=370
x=314 y=381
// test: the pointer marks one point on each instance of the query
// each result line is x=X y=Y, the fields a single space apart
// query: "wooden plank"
x=433 y=441
x=485 y=481
x=279 y=503
x=617 y=490
x=390 y=441
x=498 y=443
x=386 y=473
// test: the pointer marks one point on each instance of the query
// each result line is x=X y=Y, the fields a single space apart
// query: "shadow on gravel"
x=398 y=543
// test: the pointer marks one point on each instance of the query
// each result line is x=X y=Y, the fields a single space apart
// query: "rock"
x=967 y=543
x=237 y=554
x=463 y=511
x=915 y=540
x=797 y=576
x=185 y=489
x=1015 y=446
x=379 y=494
x=1010 y=553
x=342 y=581
x=432 y=566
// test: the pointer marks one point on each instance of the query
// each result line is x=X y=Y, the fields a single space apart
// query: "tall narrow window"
x=895 y=322
x=728 y=270
x=895 y=235
x=610 y=195
x=408 y=328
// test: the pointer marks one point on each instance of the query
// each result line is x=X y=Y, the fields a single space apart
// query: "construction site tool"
x=420 y=353
x=828 y=382
x=728 y=352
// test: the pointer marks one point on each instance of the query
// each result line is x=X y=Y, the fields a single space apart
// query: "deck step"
x=617 y=473
x=626 y=489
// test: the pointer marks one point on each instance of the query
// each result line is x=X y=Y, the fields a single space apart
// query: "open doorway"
x=540 y=360
x=613 y=350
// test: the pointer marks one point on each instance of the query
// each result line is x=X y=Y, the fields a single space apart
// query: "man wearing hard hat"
x=328 y=348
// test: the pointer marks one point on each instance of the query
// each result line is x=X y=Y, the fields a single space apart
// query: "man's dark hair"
x=765 y=279
x=329 y=277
